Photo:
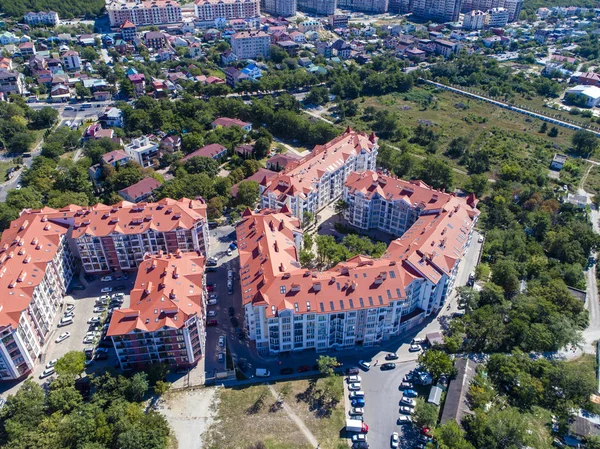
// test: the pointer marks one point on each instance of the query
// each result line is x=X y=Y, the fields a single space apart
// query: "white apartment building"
x=42 y=18
x=360 y=302
x=227 y=9
x=497 y=17
x=143 y=12
x=318 y=179
x=474 y=20
x=514 y=9
x=144 y=151
x=250 y=44
x=36 y=267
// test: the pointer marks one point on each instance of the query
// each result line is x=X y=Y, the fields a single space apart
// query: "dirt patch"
x=190 y=413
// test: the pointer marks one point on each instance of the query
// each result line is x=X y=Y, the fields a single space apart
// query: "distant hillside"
x=533 y=5
x=66 y=9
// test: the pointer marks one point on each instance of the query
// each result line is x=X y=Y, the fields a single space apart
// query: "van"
x=65 y=321
x=262 y=372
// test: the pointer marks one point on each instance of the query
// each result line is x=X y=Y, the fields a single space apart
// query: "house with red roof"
x=213 y=150
x=140 y=191
x=139 y=82
x=168 y=308
x=227 y=122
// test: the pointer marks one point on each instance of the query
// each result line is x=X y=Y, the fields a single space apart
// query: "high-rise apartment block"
x=280 y=8
x=166 y=320
x=369 y=6
x=209 y=10
x=363 y=301
x=143 y=12
x=513 y=7
x=250 y=44
x=318 y=7
x=497 y=17
x=474 y=20
x=36 y=267
x=438 y=10
x=313 y=182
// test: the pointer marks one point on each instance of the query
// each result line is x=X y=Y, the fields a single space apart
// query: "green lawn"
x=512 y=138
x=242 y=421
x=4 y=166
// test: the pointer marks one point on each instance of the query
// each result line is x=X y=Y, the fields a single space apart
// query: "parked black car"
x=388 y=366
x=352 y=371
x=286 y=371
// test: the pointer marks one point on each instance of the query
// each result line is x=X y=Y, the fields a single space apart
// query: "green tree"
x=426 y=414
x=248 y=192
x=161 y=387
x=137 y=387
x=327 y=365
x=477 y=184
x=24 y=198
x=82 y=92
x=437 y=362
x=585 y=142
x=201 y=164
x=505 y=274
x=436 y=173
x=451 y=436
x=70 y=364
x=553 y=132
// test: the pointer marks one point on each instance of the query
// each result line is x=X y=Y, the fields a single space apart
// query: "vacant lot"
x=190 y=413
x=249 y=415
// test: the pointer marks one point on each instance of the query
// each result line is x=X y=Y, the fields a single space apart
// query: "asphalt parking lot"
x=382 y=399
x=84 y=301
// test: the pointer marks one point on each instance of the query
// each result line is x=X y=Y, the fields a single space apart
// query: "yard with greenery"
x=249 y=416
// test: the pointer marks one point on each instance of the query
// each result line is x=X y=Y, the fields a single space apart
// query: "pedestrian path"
x=307 y=433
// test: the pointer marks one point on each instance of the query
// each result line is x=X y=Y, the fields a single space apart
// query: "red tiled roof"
x=371 y=183
x=273 y=277
x=206 y=151
x=26 y=248
x=303 y=175
x=227 y=122
x=115 y=155
x=129 y=218
x=168 y=291
x=143 y=187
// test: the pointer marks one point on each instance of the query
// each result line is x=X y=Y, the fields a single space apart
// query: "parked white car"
x=364 y=365
x=394 y=440
x=408 y=401
x=106 y=279
x=47 y=372
x=51 y=363
x=99 y=309
x=352 y=379
x=221 y=341
x=354 y=387
x=94 y=320
x=211 y=313
x=106 y=290
x=62 y=337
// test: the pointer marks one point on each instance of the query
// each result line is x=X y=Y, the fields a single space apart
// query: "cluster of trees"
x=329 y=253
x=497 y=80
x=112 y=417
x=401 y=163
x=17 y=121
x=65 y=9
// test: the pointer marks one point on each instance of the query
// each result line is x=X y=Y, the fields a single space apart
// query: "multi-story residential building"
x=71 y=60
x=166 y=320
x=400 y=6
x=281 y=8
x=310 y=25
x=138 y=12
x=337 y=21
x=438 y=10
x=318 y=7
x=250 y=44
x=11 y=82
x=512 y=6
x=313 y=182
x=155 y=40
x=497 y=17
x=144 y=151
x=36 y=266
x=360 y=302
x=128 y=31
x=42 y=18
x=474 y=20
x=446 y=48
x=209 y=10
x=370 y=6
x=116 y=238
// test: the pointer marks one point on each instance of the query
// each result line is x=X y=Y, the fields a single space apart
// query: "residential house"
x=589 y=94
x=140 y=191
x=446 y=48
x=128 y=31
x=155 y=40
x=214 y=151
x=144 y=151
x=11 y=82
x=139 y=83
x=234 y=76
x=115 y=158
x=170 y=144
x=558 y=162
x=262 y=175
x=250 y=44
x=282 y=161
x=290 y=46
x=71 y=61
x=227 y=122
x=112 y=117
x=456 y=405
x=42 y=18
x=228 y=57
x=27 y=49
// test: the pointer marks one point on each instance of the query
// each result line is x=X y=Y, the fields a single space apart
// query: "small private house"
x=558 y=162
x=590 y=94
x=140 y=191
x=457 y=404
x=227 y=122
x=214 y=150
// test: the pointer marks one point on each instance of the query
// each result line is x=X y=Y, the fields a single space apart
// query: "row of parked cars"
x=355 y=424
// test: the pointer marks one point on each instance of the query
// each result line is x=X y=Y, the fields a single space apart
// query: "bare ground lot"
x=190 y=413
